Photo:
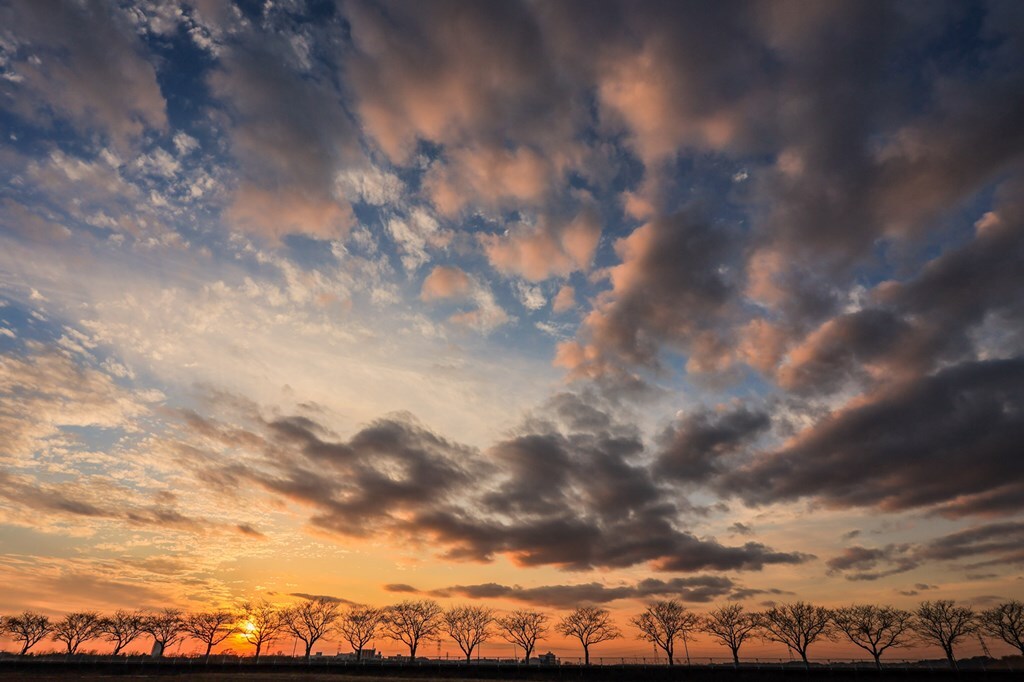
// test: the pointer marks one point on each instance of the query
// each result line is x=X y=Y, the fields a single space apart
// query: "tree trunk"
x=469 y=657
x=359 y=654
x=735 y=657
x=586 y=655
x=412 y=652
x=256 y=659
x=24 y=649
x=671 y=658
x=526 y=660
x=803 y=655
x=117 y=649
x=952 y=659
x=878 y=661
x=309 y=647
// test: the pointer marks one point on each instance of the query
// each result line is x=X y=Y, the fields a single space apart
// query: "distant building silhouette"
x=367 y=655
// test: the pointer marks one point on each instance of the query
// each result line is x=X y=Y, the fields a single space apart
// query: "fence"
x=220 y=661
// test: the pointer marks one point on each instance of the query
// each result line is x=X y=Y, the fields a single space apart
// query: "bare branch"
x=590 y=625
x=410 y=622
x=524 y=628
x=469 y=626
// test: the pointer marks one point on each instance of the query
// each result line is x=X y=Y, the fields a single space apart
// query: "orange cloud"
x=564 y=300
x=275 y=213
x=539 y=252
x=445 y=282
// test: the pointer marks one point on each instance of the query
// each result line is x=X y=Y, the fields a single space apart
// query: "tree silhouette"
x=663 y=623
x=122 y=628
x=75 y=628
x=469 y=626
x=262 y=624
x=165 y=627
x=359 y=625
x=797 y=625
x=524 y=628
x=1005 y=622
x=944 y=623
x=28 y=628
x=410 y=622
x=731 y=626
x=590 y=625
x=874 y=628
x=211 y=628
x=311 y=620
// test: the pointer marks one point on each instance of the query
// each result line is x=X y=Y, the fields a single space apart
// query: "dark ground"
x=272 y=672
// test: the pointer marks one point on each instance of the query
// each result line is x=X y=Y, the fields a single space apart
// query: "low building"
x=545 y=659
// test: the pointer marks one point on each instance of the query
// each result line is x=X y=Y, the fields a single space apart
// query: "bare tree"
x=28 y=628
x=261 y=624
x=943 y=623
x=469 y=626
x=165 y=627
x=524 y=628
x=413 y=621
x=211 y=628
x=75 y=628
x=1005 y=622
x=731 y=626
x=797 y=625
x=312 y=619
x=663 y=623
x=590 y=625
x=122 y=628
x=874 y=629
x=359 y=625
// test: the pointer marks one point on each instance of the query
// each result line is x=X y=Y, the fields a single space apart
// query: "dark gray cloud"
x=552 y=495
x=948 y=440
x=986 y=545
x=325 y=597
x=399 y=587
x=693 y=449
x=991 y=544
x=937 y=317
x=863 y=563
x=697 y=589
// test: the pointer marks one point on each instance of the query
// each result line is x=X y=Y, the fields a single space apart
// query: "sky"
x=529 y=304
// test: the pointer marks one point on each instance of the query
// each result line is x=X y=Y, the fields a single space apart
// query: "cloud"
x=896 y=449
x=82 y=63
x=694 y=448
x=445 y=282
x=400 y=587
x=291 y=137
x=325 y=597
x=44 y=391
x=576 y=499
x=449 y=282
x=459 y=76
x=548 y=249
x=564 y=300
x=672 y=285
x=866 y=562
x=979 y=546
x=698 y=589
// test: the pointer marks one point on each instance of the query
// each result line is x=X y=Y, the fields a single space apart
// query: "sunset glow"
x=524 y=305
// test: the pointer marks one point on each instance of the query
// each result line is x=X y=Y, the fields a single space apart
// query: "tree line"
x=874 y=628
